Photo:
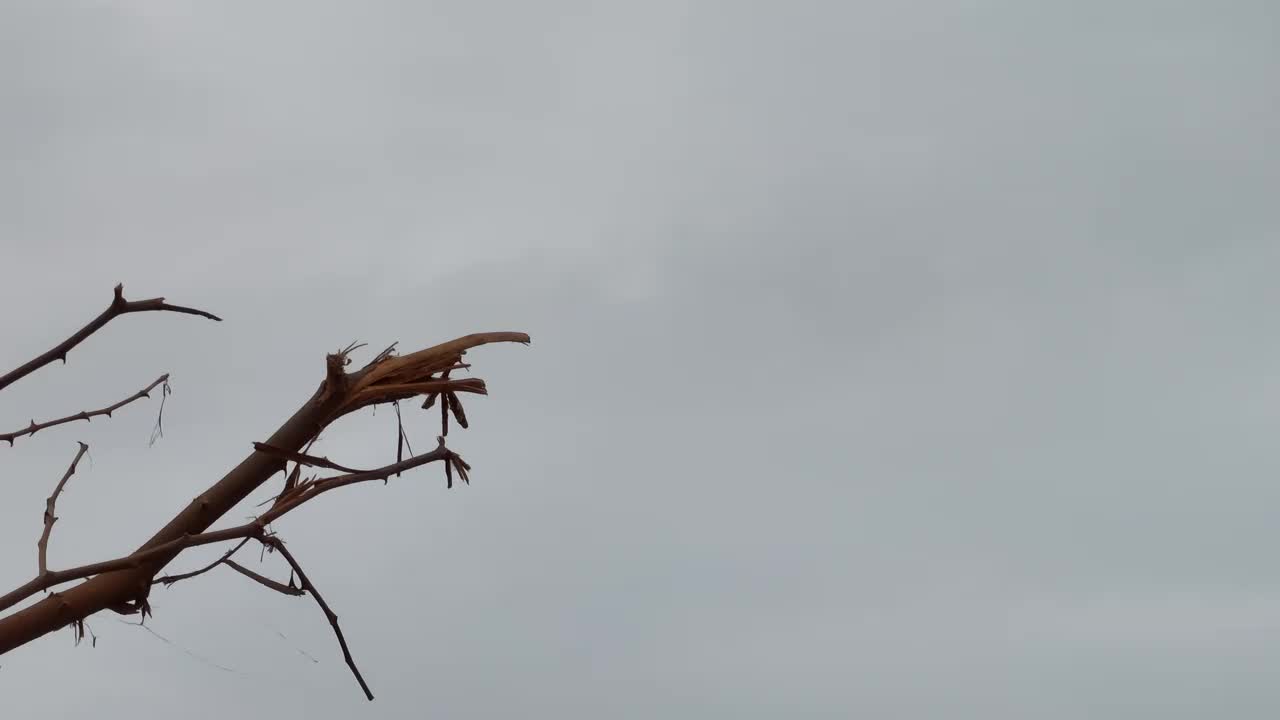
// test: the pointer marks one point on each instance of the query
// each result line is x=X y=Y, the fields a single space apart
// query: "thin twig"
x=168 y=580
x=263 y=580
x=328 y=613
x=119 y=306
x=36 y=427
x=307 y=491
x=302 y=458
x=301 y=494
x=42 y=545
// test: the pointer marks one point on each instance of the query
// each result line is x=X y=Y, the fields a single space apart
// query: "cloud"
x=888 y=359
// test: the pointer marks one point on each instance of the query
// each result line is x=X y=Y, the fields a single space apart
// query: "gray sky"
x=901 y=360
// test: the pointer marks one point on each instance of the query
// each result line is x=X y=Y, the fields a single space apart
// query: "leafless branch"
x=123 y=584
x=119 y=306
x=36 y=427
x=302 y=458
x=168 y=580
x=264 y=580
x=307 y=585
x=306 y=491
x=137 y=560
x=42 y=546
x=301 y=494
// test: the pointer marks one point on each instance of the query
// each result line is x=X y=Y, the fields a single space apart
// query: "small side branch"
x=305 y=491
x=36 y=427
x=286 y=503
x=275 y=543
x=263 y=580
x=168 y=580
x=302 y=458
x=138 y=560
x=119 y=306
x=42 y=546
x=125 y=582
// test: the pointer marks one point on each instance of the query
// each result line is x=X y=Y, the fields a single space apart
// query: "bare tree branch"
x=303 y=458
x=307 y=490
x=36 y=427
x=138 y=560
x=42 y=545
x=328 y=613
x=119 y=306
x=264 y=580
x=168 y=580
x=253 y=529
x=123 y=584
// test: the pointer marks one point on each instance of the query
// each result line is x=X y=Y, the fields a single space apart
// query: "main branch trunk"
x=114 y=588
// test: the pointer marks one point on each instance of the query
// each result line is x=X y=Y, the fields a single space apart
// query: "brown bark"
x=124 y=584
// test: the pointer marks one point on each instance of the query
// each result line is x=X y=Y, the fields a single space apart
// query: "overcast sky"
x=891 y=359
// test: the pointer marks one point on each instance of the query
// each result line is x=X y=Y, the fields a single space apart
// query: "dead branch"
x=307 y=585
x=123 y=584
x=119 y=306
x=42 y=545
x=87 y=415
x=307 y=491
x=136 y=561
x=143 y=558
x=168 y=580
x=303 y=458
x=263 y=580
